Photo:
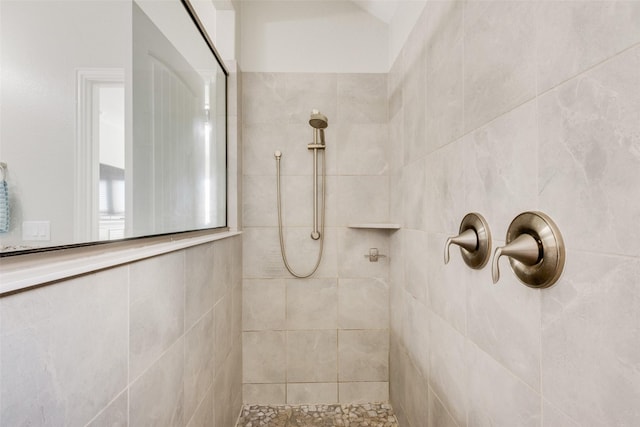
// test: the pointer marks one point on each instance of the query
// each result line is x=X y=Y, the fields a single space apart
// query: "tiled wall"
x=323 y=339
x=155 y=342
x=502 y=107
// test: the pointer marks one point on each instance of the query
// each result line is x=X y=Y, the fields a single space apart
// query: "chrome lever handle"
x=474 y=239
x=524 y=248
x=468 y=239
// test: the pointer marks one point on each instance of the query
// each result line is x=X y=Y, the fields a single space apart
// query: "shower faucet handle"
x=474 y=239
x=536 y=250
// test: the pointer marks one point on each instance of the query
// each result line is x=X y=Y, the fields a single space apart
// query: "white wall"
x=38 y=100
x=311 y=36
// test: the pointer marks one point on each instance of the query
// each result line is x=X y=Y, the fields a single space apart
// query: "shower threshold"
x=311 y=415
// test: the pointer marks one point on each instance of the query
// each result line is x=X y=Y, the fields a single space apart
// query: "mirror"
x=112 y=122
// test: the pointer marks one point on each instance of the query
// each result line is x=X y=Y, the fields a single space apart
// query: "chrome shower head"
x=318 y=120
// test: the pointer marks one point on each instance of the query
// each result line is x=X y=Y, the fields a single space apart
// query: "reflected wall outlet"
x=36 y=230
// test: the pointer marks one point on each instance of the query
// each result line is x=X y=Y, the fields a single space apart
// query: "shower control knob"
x=474 y=240
x=535 y=249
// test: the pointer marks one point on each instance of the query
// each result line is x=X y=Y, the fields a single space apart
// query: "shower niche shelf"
x=376 y=226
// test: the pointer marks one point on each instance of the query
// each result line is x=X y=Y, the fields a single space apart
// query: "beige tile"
x=264 y=98
x=264 y=394
x=114 y=415
x=416 y=391
x=311 y=356
x=510 y=403
x=414 y=196
x=198 y=364
x=56 y=366
x=264 y=302
x=157 y=397
x=447 y=368
x=312 y=393
x=552 y=417
x=222 y=330
x=263 y=357
x=297 y=201
x=504 y=321
x=589 y=142
x=362 y=199
x=362 y=149
x=445 y=191
x=573 y=36
x=302 y=252
x=156 y=308
x=363 y=304
x=261 y=253
x=589 y=320
x=362 y=98
x=438 y=415
x=444 y=78
x=415 y=269
x=199 y=282
x=499 y=174
x=363 y=355
x=203 y=417
x=259 y=142
x=363 y=392
x=227 y=257
x=414 y=94
x=447 y=282
x=307 y=91
x=415 y=332
x=353 y=245
x=499 y=59
x=312 y=304
x=259 y=201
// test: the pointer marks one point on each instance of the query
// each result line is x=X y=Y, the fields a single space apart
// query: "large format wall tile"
x=501 y=168
x=438 y=415
x=264 y=304
x=198 y=365
x=508 y=402
x=589 y=156
x=447 y=283
x=199 y=283
x=307 y=91
x=311 y=356
x=298 y=393
x=499 y=59
x=114 y=415
x=264 y=357
x=312 y=304
x=362 y=149
x=363 y=304
x=267 y=99
x=444 y=77
x=447 y=368
x=504 y=321
x=591 y=362
x=576 y=35
x=362 y=98
x=156 y=308
x=363 y=392
x=64 y=350
x=157 y=397
x=363 y=355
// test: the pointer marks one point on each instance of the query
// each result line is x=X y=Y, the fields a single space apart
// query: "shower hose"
x=282 y=245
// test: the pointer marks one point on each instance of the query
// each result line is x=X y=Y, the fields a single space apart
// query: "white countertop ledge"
x=25 y=271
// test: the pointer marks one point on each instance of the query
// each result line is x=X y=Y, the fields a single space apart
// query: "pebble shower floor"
x=351 y=415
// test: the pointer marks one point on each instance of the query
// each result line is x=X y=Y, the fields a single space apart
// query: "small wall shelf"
x=376 y=226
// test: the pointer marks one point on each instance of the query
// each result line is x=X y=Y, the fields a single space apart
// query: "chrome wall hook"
x=535 y=249
x=474 y=240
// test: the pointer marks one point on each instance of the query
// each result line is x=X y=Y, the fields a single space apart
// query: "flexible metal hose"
x=282 y=246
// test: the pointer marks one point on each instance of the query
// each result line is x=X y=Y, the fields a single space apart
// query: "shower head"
x=318 y=120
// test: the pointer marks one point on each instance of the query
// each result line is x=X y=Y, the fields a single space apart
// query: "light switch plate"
x=36 y=230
